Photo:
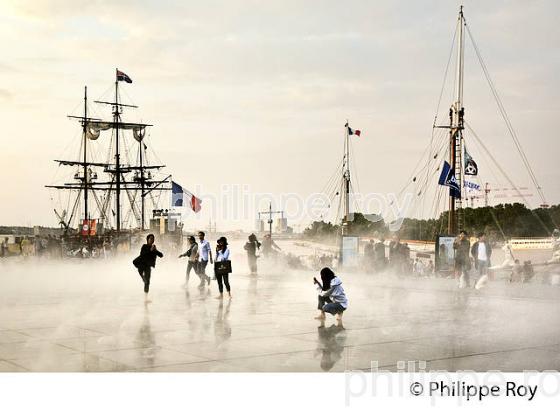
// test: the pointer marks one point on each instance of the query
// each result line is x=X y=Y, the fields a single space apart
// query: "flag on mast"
x=447 y=178
x=180 y=197
x=353 y=132
x=470 y=165
x=123 y=77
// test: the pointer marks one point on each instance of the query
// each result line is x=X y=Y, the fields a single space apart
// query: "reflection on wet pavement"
x=331 y=345
x=76 y=317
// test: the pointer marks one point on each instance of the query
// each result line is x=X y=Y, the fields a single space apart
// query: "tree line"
x=499 y=222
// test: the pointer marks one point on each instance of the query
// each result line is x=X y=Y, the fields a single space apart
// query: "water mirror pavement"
x=89 y=316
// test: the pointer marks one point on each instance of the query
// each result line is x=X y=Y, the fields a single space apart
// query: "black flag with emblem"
x=470 y=166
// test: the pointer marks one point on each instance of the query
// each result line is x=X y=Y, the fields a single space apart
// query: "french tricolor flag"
x=180 y=197
x=353 y=132
x=123 y=77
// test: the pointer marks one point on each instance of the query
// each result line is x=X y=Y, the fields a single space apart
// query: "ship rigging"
x=134 y=178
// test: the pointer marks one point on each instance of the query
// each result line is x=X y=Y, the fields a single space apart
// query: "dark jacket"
x=251 y=248
x=379 y=249
x=462 y=251
x=395 y=250
x=148 y=256
x=474 y=253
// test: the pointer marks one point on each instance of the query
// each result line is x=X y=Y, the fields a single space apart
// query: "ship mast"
x=346 y=179
x=456 y=126
x=85 y=124
x=142 y=183
x=117 y=153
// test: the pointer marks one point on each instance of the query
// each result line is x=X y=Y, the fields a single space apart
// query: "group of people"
x=522 y=273
x=374 y=255
x=399 y=260
x=420 y=268
x=52 y=246
x=198 y=254
x=480 y=252
x=331 y=299
x=38 y=245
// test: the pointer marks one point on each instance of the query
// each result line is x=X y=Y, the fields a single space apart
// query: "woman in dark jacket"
x=146 y=261
x=222 y=255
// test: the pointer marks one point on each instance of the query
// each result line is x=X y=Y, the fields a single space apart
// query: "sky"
x=255 y=94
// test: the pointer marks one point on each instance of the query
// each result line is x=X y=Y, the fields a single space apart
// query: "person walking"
x=462 y=245
x=406 y=262
x=4 y=248
x=221 y=268
x=192 y=255
x=380 y=260
x=369 y=256
x=204 y=256
x=332 y=298
x=146 y=261
x=481 y=251
x=395 y=255
x=252 y=246
x=269 y=247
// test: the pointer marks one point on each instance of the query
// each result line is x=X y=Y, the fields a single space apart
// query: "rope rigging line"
x=507 y=177
x=423 y=183
x=505 y=117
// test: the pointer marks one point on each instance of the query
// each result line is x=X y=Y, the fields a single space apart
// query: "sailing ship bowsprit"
x=112 y=196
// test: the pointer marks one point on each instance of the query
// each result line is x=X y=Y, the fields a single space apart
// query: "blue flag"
x=176 y=194
x=447 y=178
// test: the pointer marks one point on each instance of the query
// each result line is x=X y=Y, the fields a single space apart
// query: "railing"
x=531 y=243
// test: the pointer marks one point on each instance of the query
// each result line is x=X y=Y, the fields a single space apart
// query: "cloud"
x=275 y=80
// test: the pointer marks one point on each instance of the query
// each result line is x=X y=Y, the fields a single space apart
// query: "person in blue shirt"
x=204 y=256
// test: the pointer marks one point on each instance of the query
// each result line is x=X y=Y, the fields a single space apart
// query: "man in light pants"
x=204 y=255
x=481 y=252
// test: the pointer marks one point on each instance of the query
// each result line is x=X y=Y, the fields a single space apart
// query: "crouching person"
x=332 y=298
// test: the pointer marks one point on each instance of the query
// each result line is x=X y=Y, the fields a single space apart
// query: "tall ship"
x=115 y=189
x=447 y=183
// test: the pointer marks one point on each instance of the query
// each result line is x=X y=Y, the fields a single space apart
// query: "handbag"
x=222 y=266
x=137 y=262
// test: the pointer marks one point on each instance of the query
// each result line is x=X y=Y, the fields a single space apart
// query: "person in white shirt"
x=481 y=251
x=204 y=256
x=222 y=254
